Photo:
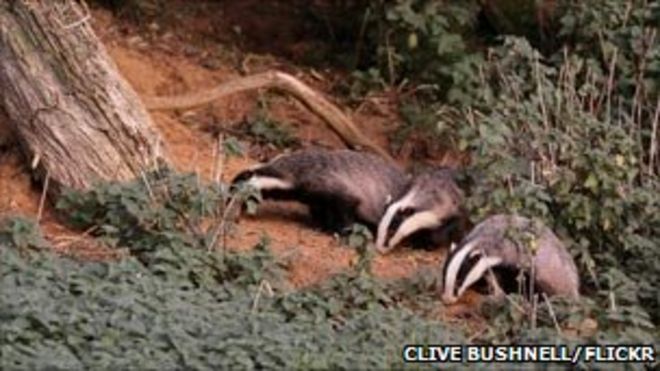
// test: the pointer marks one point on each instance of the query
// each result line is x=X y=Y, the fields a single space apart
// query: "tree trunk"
x=75 y=116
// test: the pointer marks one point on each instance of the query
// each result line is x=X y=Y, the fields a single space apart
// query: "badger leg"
x=331 y=213
x=321 y=216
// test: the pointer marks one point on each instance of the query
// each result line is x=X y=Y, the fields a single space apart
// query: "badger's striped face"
x=267 y=184
x=403 y=218
x=260 y=178
x=464 y=266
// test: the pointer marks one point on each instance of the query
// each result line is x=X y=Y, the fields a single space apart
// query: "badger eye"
x=399 y=218
x=407 y=212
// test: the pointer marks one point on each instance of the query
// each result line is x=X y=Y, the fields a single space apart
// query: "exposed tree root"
x=331 y=114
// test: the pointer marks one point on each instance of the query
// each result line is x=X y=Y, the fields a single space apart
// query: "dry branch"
x=333 y=116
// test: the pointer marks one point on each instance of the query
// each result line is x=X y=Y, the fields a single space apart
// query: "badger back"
x=368 y=179
x=362 y=180
x=554 y=268
x=439 y=191
x=517 y=243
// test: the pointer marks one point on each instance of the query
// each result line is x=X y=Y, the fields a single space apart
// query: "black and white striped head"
x=264 y=178
x=265 y=183
x=430 y=203
x=465 y=265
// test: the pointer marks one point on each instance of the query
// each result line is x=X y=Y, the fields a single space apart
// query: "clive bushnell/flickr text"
x=528 y=353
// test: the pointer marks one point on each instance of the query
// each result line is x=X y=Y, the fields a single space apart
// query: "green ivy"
x=196 y=309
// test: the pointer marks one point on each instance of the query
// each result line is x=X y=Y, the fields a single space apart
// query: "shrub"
x=571 y=138
x=541 y=148
x=161 y=207
x=196 y=309
x=176 y=301
x=21 y=232
x=416 y=40
x=263 y=130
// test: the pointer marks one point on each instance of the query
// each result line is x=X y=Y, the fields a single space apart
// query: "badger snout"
x=448 y=298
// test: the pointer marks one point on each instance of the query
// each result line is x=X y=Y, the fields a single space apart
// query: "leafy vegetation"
x=265 y=131
x=566 y=132
x=22 y=233
x=159 y=208
x=538 y=150
x=570 y=137
x=175 y=303
x=424 y=41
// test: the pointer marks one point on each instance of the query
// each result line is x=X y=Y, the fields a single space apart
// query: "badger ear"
x=453 y=247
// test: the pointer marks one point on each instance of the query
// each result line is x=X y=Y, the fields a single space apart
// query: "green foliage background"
x=566 y=132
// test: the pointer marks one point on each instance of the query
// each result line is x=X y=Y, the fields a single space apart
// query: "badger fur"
x=339 y=186
x=431 y=204
x=510 y=244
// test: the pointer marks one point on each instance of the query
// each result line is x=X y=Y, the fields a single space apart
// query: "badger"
x=501 y=249
x=430 y=205
x=340 y=187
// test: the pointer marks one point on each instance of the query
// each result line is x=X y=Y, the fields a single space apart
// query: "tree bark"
x=74 y=115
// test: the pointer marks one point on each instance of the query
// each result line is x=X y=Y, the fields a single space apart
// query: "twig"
x=218 y=160
x=552 y=314
x=360 y=38
x=77 y=23
x=220 y=231
x=42 y=201
x=146 y=184
x=225 y=215
x=35 y=161
x=192 y=227
x=390 y=60
x=532 y=280
x=610 y=83
x=66 y=241
x=648 y=40
x=515 y=305
x=194 y=163
x=544 y=110
x=376 y=103
x=79 y=8
x=264 y=285
x=84 y=234
x=539 y=90
x=563 y=72
x=535 y=307
x=654 y=138
x=626 y=15
x=477 y=334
